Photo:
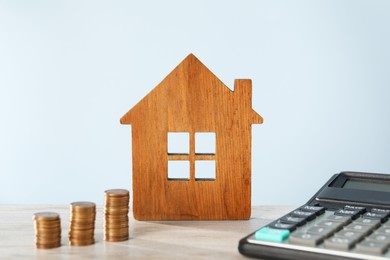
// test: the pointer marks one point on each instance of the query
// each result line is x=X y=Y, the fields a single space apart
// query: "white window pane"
x=179 y=142
x=178 y=169
x=205 y=142
x=205 y=170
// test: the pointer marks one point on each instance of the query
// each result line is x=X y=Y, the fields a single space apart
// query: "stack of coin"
x=82 y=223
x=47 y=230
x=116 y=226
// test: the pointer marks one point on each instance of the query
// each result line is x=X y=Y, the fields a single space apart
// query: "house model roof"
x=186 y=84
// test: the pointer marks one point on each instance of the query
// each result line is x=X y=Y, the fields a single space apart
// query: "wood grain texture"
x=148 y=240
x=192 y=99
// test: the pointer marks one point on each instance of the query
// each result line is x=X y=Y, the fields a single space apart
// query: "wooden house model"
x=191 y=147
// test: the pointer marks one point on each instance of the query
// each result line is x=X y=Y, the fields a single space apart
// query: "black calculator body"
x=348 y=218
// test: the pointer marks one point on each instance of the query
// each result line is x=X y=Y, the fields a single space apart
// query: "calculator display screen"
x=361 y=185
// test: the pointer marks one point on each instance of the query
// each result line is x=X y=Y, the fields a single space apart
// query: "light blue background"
x=70 y=69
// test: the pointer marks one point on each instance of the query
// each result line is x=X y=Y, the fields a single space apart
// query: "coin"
x=117 y=192
x=116 y=221
x=82 y=223
x=81 y=242
x=47 y=227
x=82 y=227
x=82 y=205
x=116 y=239
x=119 y=203
x=46 y=216
x=48 y=246
x=116 y=224
x=117 y=217
x=81 y=238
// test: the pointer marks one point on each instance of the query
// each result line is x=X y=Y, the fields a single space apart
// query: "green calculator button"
x=271 y=234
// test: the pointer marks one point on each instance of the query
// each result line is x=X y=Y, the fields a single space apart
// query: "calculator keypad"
x=352 y=228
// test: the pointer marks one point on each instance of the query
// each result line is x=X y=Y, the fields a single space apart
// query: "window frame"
x=192 y=157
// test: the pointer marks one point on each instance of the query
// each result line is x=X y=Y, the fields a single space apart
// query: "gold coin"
x=48 y=246
x=82 y=224
x=116 y=203
x=116 y=217
x=88 y=212
x=117 y=230
x=81 y=227
x=48 y=242
x=81 y=235
x=117 y=209
x=81 y=243
x=116 y=235
x=47 y=228
x=86 y=238
x=113 y=223
x=116 y=198
x=83 y=206
x=116 y=212
x=83 y=211
x=50 y=223
x=117 y=192
x=116 y=239
x=46 y=238
x=116 y=225
x=113 y=199
x=82 y=238
x=48 y=234
x=81 y=232
x=46 y=216
x=82 y=221
x=110 y=232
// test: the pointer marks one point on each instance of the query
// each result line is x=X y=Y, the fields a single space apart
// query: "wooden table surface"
x=148 y=239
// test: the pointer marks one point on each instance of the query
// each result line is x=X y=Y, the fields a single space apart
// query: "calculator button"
x=293 y=220
x=380 y=216
x=279 y=225
x=348 y=212
x=322 y=231
x=375 y=210
x=383 y=230
x=360 y=209
x=353 y=235
x=272 y=235
x=317 y=209
x=371 y=247
x=303 y=214
x=343 y=219
x=358 y=228
x=334 y=226
x=368 y=222
x=339 y=243
x=379 y=238
x=386 y=224
x=302 y=238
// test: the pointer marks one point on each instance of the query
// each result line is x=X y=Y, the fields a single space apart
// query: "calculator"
x=346 y=219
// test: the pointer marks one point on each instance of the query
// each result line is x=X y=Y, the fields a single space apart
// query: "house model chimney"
x=243 y=91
